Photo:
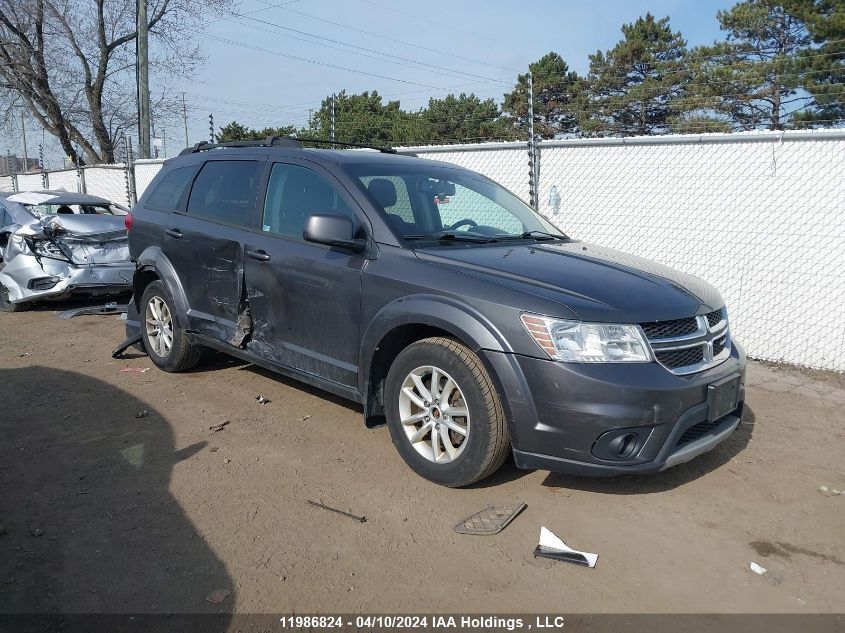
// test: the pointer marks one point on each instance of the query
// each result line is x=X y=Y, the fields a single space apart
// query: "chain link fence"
x=759 y=215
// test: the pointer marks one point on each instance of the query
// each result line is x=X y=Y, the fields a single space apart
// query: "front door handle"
x=262 y=256
x=174 y=233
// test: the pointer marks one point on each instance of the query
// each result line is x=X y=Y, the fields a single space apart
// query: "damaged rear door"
x=304 y=298
x=205 y=246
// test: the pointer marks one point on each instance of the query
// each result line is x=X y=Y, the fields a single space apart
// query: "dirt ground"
x=116 y=496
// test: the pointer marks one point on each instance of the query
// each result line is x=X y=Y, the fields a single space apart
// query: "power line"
x=315 y=61
x=424 y=65
x=397 y=41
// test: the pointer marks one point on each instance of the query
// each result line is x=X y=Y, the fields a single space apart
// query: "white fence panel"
x=107 y=181
x=760 y=216
x=30 y=182
x=65 y=179
x=7 y=183
x=145 y=171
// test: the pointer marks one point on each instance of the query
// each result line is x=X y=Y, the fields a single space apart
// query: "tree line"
x=781 y=64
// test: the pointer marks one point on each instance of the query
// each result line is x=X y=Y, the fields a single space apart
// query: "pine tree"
x=635 y=88
x=755 y=77
x=557 y=97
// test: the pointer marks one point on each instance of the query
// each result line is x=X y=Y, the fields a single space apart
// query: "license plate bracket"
x=722 y=397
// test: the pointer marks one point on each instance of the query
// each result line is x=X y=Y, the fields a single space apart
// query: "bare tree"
x=71 y=63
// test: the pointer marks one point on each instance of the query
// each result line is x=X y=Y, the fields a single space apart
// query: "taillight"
x=127 y=221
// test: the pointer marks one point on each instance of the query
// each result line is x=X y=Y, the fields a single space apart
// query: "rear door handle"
x=262 y=256
x=174 y=233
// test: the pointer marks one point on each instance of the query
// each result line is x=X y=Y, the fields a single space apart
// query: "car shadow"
x=669 y=479
x=88 y=522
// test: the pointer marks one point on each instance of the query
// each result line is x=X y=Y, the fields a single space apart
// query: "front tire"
x=444 y=414
x=164 y=341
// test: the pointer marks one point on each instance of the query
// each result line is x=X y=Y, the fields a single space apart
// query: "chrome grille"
x=686 y=346
x=681 y=357
x=668 y=329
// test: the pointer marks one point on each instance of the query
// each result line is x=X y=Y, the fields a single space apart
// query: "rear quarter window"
x=225 y=191
x=170 y=189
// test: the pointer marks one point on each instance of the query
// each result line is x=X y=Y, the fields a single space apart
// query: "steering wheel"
x=466 y=221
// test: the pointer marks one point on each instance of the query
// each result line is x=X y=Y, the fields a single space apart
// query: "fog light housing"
x=42 y=283
x=620 y=445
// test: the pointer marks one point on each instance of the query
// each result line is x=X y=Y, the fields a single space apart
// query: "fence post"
x=80 y=177
x=12 y=170
x=44 y=180
x=533 y=150
x=131 y=194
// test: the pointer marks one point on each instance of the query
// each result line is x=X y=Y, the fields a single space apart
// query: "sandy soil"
x=116 y=496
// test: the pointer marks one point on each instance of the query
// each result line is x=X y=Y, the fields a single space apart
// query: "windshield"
x=41 y=210
x=423 y=202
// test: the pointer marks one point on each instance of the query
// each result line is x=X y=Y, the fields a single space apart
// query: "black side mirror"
x=332 y=229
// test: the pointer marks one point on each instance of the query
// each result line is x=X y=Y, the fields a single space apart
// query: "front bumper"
x=560 y=413
x=27 y=279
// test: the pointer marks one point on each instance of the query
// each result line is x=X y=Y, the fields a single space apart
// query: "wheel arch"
x=411 y=319
x=153 y=265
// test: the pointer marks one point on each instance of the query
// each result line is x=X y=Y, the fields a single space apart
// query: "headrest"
x=384 y=191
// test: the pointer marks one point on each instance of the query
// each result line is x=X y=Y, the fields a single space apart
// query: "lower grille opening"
x=698 y=431
x=681 y=357
x=719 y=345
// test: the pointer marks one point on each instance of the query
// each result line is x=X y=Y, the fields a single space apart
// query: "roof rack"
x=270 y=141
x=382 y=149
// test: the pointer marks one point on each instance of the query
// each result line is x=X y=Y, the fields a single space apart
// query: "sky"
x=479 y=46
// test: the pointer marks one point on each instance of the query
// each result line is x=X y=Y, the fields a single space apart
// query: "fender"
x=152 y=258
x=458 y=318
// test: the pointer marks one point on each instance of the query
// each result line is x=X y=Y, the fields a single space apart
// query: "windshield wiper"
x=451 y=236
x=537 y=235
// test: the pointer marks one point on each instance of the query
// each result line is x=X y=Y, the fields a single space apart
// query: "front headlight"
x=579 y=342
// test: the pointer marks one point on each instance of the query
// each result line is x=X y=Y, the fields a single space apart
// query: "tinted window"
x=293 y=194
x=224 y=191
x=169 y=190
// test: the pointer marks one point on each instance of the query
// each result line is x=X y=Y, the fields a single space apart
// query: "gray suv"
x=452 y=311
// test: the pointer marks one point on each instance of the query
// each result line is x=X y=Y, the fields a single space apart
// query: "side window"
x=224 y=191
x=293 y=194
x=169 y=190
x=467 y=204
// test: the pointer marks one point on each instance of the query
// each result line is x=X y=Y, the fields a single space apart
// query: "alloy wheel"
x=159 y=326
x=434 y=414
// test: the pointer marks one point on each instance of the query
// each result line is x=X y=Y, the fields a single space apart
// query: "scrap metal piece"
x=129 y=342
x=112 y=307
x=490 y=520
x=551 y=546
x=317 y=504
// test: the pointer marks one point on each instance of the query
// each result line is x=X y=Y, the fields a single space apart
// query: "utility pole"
x=185 y=119
x=211 y=127
x=25 y=157
x=143 y=81
x=331 y=130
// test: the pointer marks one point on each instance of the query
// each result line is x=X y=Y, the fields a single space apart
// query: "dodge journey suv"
x=439 y=301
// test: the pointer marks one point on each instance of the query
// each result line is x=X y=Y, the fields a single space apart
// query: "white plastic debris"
x=551 y=546
x=757 y=569
x=831 y=492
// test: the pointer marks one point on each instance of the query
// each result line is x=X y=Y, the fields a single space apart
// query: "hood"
x=596 y=283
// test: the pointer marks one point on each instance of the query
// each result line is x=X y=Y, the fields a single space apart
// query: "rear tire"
x=444 y=414
x=165 y=342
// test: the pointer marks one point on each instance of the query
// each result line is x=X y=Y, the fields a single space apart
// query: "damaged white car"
x=54 y=244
